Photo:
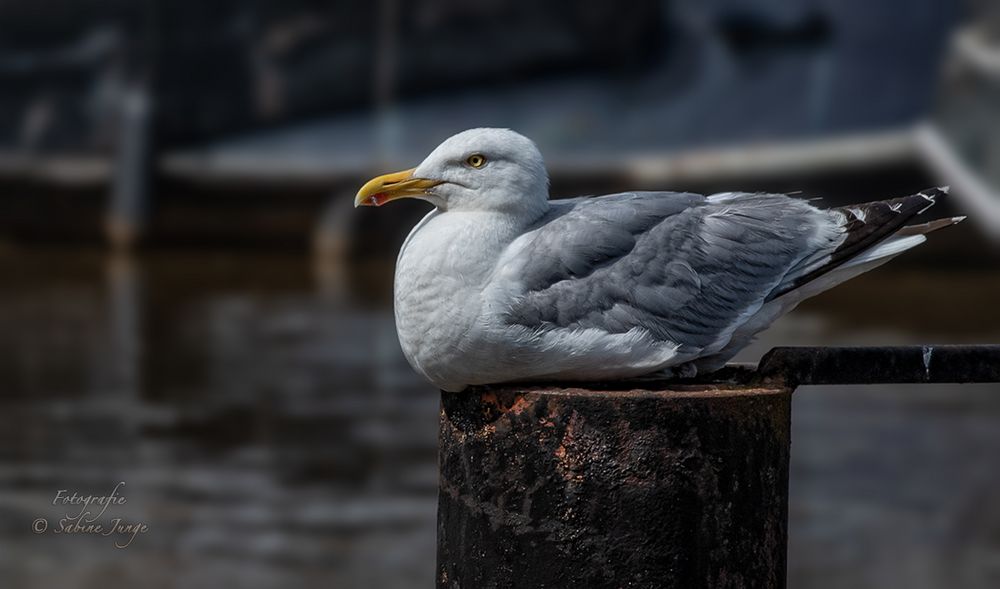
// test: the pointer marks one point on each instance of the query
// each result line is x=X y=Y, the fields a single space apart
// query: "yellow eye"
x=476 y=160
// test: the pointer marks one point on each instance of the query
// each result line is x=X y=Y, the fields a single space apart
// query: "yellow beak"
x=378 y=191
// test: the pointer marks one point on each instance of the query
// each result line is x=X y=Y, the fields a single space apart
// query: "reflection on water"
x=271 y=434
x=268 y=433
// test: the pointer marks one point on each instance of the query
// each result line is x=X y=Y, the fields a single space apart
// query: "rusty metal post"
x=660 y=486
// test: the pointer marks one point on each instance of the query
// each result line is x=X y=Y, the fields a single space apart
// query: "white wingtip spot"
x=944 y=189
x=930 y=202
x=921 y=211
x=957 y=220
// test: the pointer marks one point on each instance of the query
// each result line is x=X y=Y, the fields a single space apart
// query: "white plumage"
x=499 y=283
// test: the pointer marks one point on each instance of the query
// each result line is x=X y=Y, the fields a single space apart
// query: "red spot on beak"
x=378 y=199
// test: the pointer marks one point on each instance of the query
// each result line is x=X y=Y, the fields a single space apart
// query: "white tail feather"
x=887 y=249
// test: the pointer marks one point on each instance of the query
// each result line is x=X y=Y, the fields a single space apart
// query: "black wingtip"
x=892 y=213
x=867 y=224
x=931 y=195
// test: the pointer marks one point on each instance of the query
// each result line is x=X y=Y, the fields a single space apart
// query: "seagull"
x=498 y=283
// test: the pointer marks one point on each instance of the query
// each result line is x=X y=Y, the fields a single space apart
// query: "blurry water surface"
x=271 y=434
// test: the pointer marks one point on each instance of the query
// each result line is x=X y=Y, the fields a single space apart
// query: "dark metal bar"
x=881 y=365
x=571 y=487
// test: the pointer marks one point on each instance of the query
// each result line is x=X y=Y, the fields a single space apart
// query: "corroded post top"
x=634 y=483
x=630 y=389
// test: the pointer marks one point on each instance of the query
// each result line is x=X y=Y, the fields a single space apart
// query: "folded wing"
x=686 y=269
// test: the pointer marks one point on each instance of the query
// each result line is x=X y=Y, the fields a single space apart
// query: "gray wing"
x=686 y=268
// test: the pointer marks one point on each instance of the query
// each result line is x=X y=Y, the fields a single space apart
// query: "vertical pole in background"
x=386 y=67
x=333 y=234
x=135 y=149
x=130 y=188
x=552 y=487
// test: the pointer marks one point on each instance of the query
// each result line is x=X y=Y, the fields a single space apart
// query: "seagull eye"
x=476 y=160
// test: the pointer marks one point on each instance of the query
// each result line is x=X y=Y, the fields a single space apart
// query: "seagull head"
x=476 y=170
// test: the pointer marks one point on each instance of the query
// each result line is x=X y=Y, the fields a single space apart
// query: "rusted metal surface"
x=644 y=483
x=629 y=487
x=880 y=365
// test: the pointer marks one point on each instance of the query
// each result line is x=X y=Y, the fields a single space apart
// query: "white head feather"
x=512 y=177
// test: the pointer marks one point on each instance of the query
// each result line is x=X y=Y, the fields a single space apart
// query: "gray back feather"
x=681 y=266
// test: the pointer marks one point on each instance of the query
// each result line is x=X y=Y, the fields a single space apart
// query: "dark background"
x=189 y=304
